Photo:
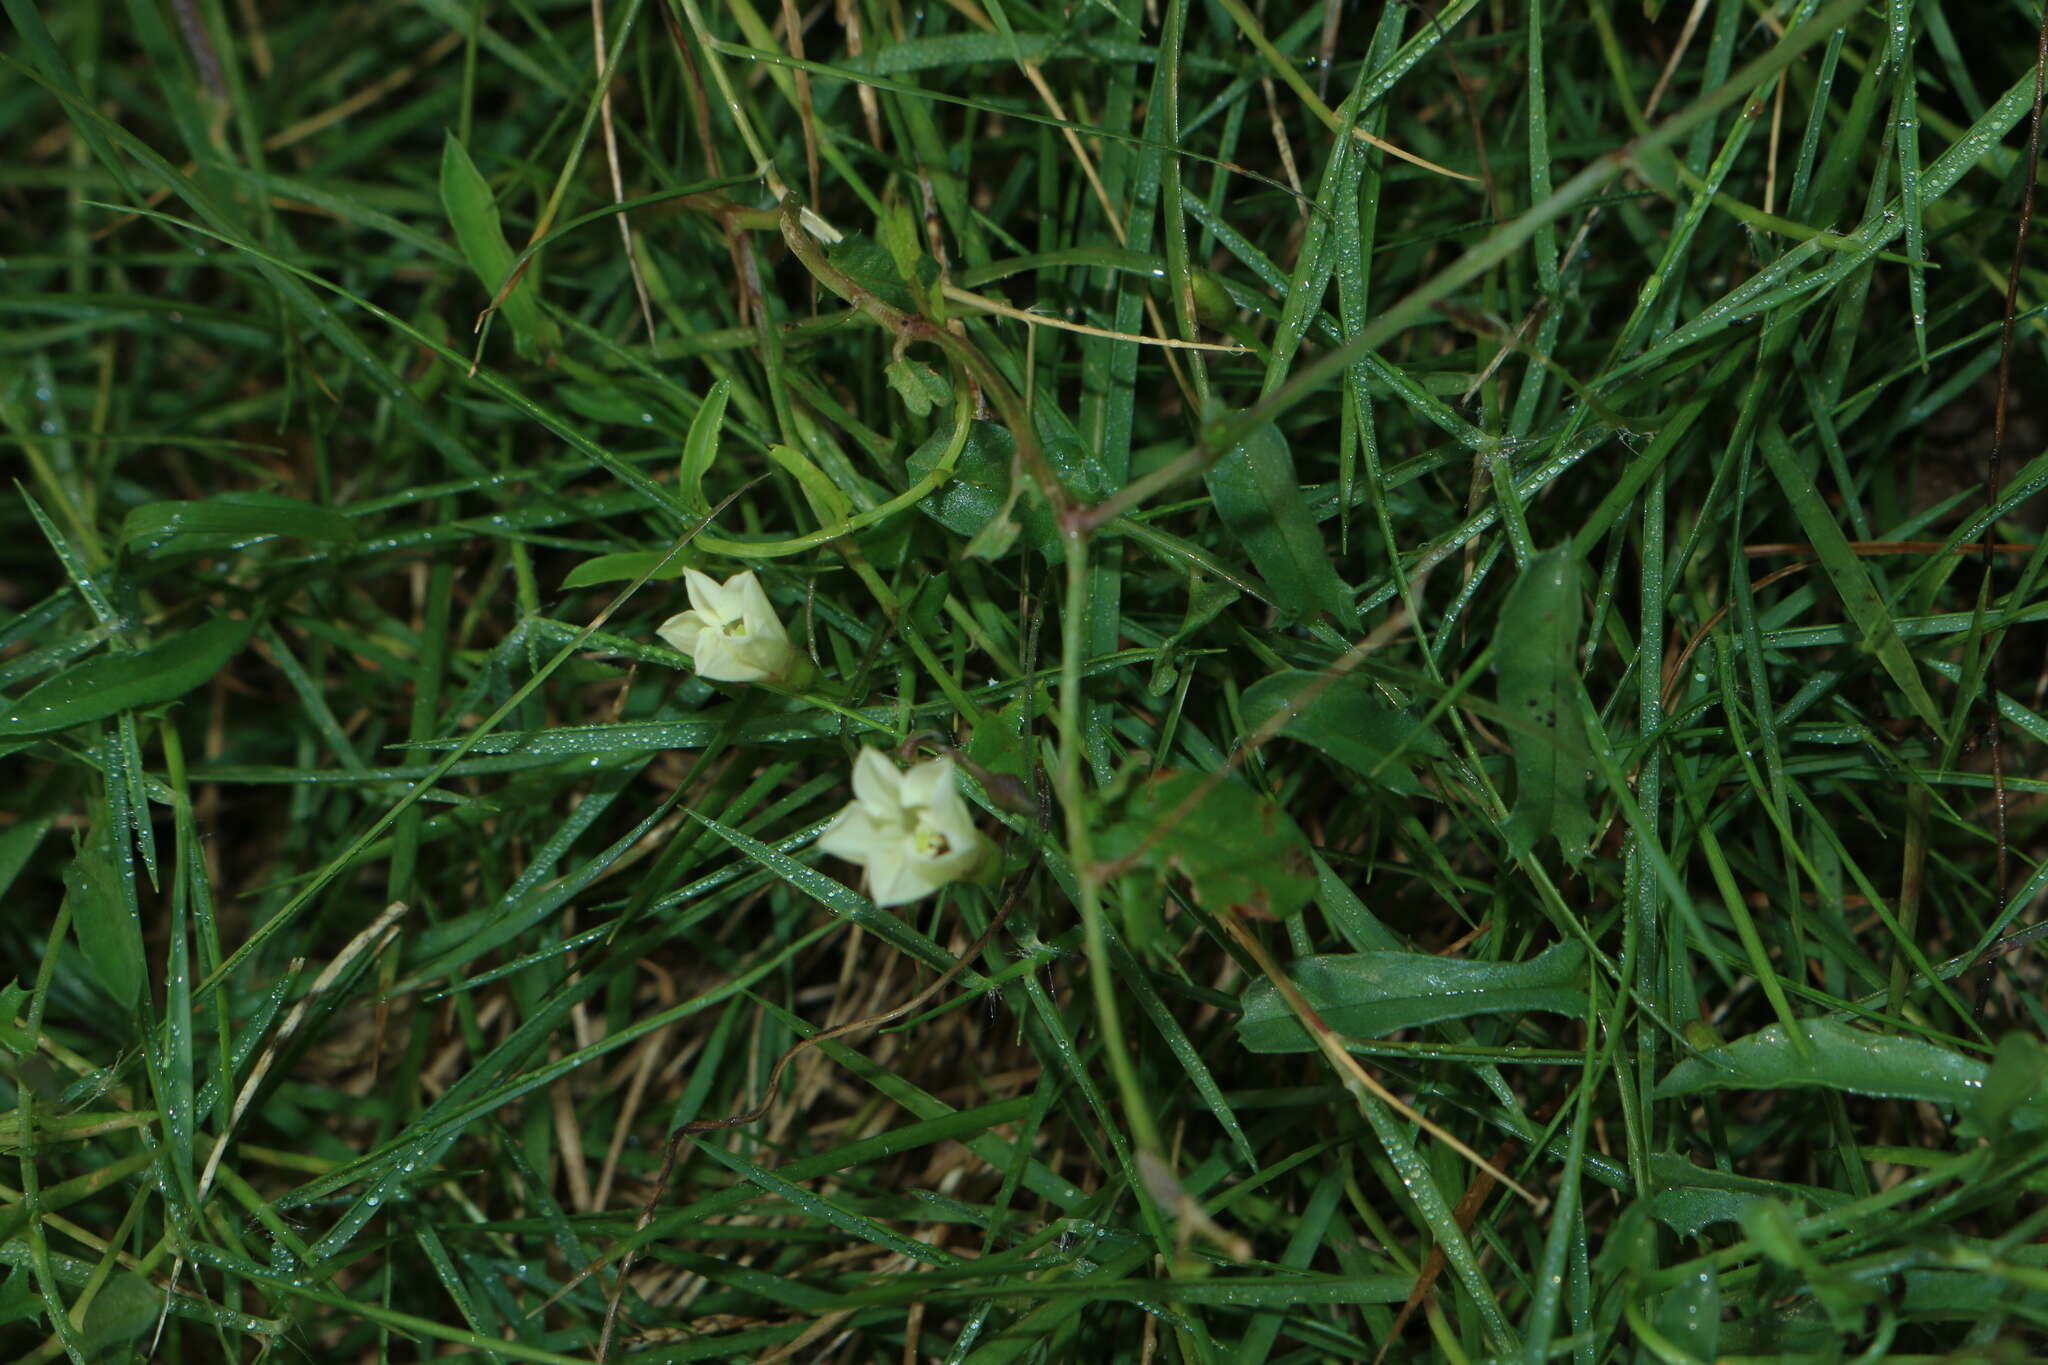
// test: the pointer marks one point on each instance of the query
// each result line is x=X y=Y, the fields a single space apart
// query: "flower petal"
x=929 y=783
x=680 y=632
x=878 y=785
x=852 y=835
x=945 y=809
x=894 y=879
x=746 y=593
x=719 y=660
x=708 y=596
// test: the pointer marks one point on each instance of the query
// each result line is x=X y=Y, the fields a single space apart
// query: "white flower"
x=910 y=830
x=731 y=632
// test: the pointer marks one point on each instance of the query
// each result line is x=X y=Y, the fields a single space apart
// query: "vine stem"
x=1081 y=849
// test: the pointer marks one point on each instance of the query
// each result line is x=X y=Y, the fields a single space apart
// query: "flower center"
x=927 y=842
x=736 y=626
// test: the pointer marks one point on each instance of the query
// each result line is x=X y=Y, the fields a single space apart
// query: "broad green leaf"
x=473 y=212
x=1536 y=651
x=870 y=267
x=1852 y=581
x=1688 y=1209
x=107 y=929
x=919 y=386
x=1258 y=495
x=17 y=845
x=980 y=487
x=112 y=683
x=1690 y=1197
x=999 y=746
x=700 y=452
x=1369 y=995
x=229 y=518
x=1238 y=849
x=125 y=1308
x=2015 y=1093
x=1972 y=1296
x=1349 y=721
x=18 y=1298
x=13 y=1004
x=1836 y=1057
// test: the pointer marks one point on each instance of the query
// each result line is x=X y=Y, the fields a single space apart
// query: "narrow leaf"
x=1852 y=581
x=1350 y=722
x=473 y=213
x=1258 y=495
x=700 y=448
x=1836 y=1057
x=1536 y=646
x=1369 y=995
x=108 y=931
x=112 y=683
x=160 y=527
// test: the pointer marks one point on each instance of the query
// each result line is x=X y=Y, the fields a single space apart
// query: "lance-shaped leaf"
x=1835 y=1057
x=1349 y=721
x=1370 y=995
x=1536 y=649
x=1258 y=495
x=111 y=683
x=473 y=213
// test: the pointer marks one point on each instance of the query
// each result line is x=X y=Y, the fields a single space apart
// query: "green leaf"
x=473 y=212
x=13 y=1000
x=919 y=386
x=17 y=845
x=700 y=451
x=1238 y=849
x=628 y=565
x=1852 y=581
x=999 y=744
x=1536 y=650
x=1688 y=1209
x=123 y=1310
x=1256 y=492
x=159 y=528
x=112 y=683
x=1369 y=995
x=1836 y=1057
x=2015 y=1093
x=1349 y=721
x=828 y=503
x=107 y=929
x=870 y=267
x=897 y=229
x=970 y=502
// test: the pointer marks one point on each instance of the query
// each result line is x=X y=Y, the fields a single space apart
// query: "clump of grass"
x=1480 y=566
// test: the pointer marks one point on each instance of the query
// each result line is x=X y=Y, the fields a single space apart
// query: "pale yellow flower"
x=731 y=631
x=911 y=831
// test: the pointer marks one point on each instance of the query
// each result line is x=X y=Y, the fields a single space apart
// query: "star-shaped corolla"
x=731 y=631
x=911 y=831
